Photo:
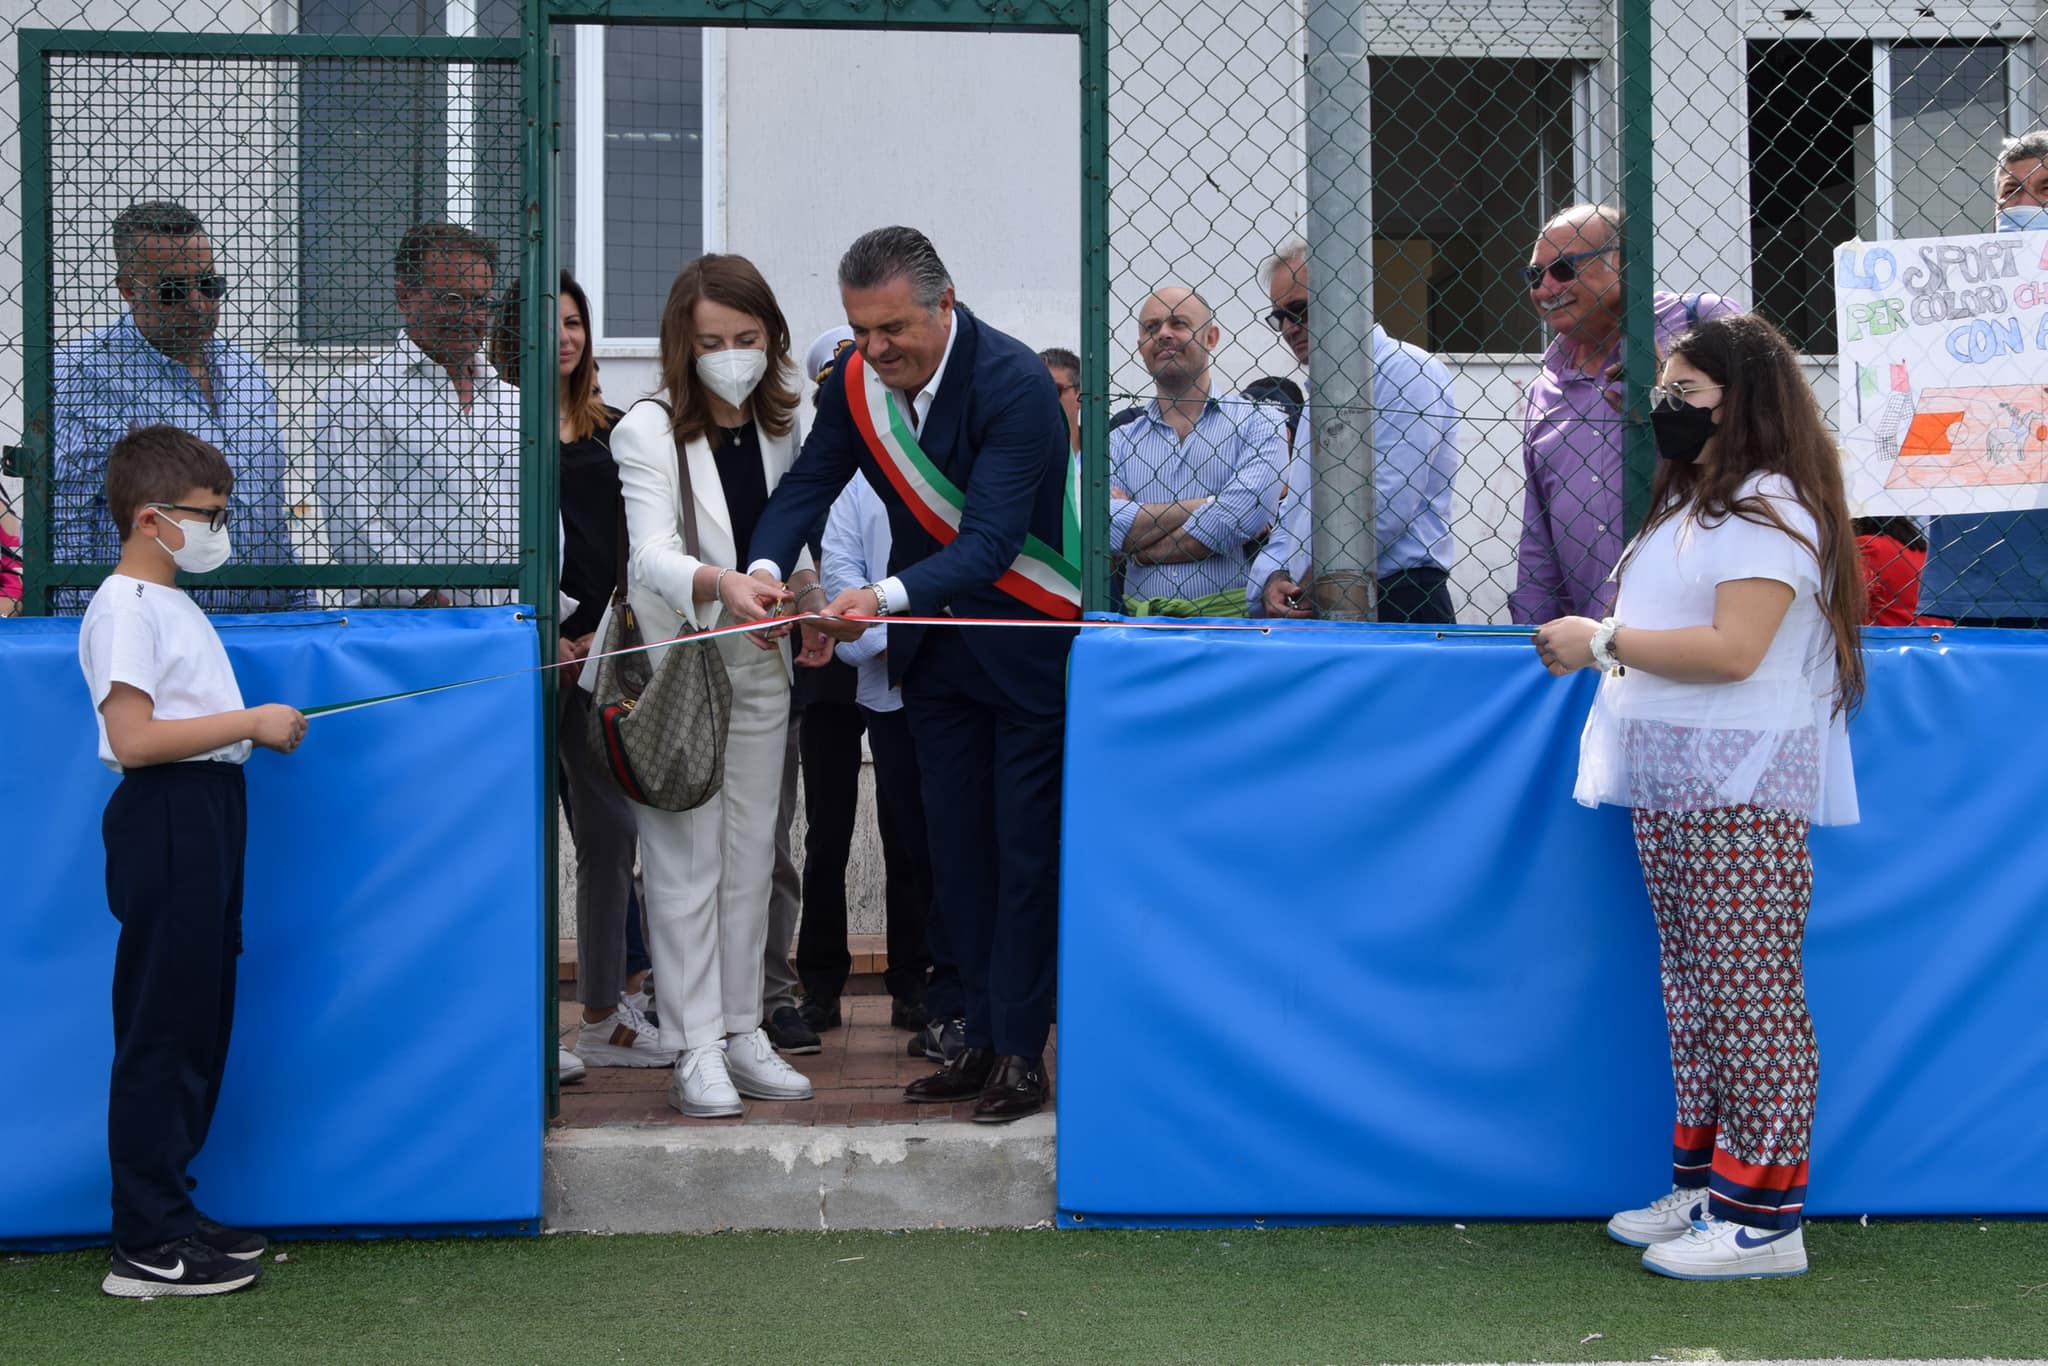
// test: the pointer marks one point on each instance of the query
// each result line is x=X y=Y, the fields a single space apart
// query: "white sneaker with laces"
x=1717 y=1250
x=759 y=1071
x=701 y=1087
x=623 y=1039
x=1663 y=1219
x=568 y=1067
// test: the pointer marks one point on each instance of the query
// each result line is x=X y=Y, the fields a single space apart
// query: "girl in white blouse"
x=1730 y=666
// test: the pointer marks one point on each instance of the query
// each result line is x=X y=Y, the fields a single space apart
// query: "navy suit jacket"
x=997 y=431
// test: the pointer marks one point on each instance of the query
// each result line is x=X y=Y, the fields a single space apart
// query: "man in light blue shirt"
x=1196 y=478
x=1415 y=470
x=163 y=362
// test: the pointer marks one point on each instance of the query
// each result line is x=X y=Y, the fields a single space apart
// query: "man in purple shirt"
x=1572 y=427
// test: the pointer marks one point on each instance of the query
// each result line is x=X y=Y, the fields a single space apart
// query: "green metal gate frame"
x=535 y=575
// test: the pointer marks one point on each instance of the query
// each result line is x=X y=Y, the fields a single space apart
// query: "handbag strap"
x=688 y=498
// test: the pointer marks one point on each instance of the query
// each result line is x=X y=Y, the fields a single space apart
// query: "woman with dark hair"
x=1731 y=664
x=729 y=416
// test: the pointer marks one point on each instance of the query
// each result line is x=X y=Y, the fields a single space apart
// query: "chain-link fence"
x=1347 y=200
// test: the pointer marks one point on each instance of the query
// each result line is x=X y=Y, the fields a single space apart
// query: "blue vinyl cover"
x=386 y=1067
x=1337 y=944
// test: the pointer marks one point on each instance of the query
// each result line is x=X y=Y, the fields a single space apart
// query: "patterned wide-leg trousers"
x=1730 y=887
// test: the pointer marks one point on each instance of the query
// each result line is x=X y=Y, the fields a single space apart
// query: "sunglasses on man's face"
x=1288 y=313
x=176 y=289
x=1564 y=269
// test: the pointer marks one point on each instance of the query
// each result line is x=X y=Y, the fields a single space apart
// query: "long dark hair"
x=581 y=404
x=734 y=282
x=1770 y=424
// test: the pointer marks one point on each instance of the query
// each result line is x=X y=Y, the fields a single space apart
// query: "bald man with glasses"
x=1572 y=425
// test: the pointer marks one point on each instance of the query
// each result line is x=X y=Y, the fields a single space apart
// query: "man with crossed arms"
x=958 y=428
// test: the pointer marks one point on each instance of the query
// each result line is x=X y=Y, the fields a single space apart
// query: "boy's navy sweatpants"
x=175 y=835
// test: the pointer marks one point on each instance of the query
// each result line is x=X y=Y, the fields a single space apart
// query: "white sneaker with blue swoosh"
x=1663 y=1219
x=1717 y=1250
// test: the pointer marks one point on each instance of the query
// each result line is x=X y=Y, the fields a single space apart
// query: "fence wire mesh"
x=1322 y=221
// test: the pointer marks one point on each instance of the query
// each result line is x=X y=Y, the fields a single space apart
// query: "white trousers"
x=707 y=871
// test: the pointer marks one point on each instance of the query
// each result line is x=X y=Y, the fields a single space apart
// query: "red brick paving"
x=859 y=1078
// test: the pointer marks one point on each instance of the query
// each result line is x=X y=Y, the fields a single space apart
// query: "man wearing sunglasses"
x=417 y=453
x=1415 y=466
x=1572 y=425
x=164 y=362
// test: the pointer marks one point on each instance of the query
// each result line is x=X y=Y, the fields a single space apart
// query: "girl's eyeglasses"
x=1661 y=394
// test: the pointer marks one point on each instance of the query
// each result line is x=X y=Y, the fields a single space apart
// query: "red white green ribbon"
x=1042 y=578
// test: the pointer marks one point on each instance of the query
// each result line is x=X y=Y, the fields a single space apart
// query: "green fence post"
x=1095 y=547
x=1638 y=256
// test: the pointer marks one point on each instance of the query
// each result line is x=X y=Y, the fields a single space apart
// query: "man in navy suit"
x=959 y=429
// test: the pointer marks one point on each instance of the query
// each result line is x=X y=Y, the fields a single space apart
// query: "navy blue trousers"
x=991 y=775
x=175 y=836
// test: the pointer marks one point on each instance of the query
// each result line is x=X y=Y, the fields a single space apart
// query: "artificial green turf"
x=1486 y=1292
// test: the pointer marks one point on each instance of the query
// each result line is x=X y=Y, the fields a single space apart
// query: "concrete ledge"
x=885 y=1176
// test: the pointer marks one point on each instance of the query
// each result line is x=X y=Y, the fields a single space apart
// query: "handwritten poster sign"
x=1943 y=349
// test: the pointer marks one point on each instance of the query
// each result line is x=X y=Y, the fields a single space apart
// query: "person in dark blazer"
x=958 y=427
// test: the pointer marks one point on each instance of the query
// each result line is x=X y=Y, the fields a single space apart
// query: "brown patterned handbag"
x=660 y=732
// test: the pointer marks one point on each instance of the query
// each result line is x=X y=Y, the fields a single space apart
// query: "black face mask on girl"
x=1682 y=430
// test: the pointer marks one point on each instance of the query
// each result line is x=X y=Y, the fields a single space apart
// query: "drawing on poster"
x=1943 y=352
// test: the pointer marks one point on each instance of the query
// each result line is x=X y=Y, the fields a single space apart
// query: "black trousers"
x=991 y=778
x=175 y=836
x=830 y=749
x=1417 y=595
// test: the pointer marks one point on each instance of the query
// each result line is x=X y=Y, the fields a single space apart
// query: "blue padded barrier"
x=386 y=1068
x=1337 y=944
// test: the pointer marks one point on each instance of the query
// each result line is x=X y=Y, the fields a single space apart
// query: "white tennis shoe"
x=1663 y=1219
x=759 y=1072
x=1717 y=1250
x=701 y=1087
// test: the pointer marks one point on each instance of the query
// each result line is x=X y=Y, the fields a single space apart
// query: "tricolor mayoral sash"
x=1041 y=577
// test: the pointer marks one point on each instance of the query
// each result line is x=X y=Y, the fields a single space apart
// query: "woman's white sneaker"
x=1663 y=1219
x=759 y=1072
x=701 y=1087
x=623 y=1038
x=1717 y=1250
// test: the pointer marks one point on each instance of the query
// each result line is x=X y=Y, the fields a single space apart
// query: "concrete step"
x=856 y=1155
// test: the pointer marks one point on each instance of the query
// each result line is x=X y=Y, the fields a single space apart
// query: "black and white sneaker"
x=244 y=1245
x=184 y=1267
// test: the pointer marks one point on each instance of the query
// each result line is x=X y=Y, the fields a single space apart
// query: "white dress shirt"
x=856 y=546
x=406 y=475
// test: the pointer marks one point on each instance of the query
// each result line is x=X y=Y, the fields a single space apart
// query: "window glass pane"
x=653 y=170
x=1467 y=153
x=1810 y=110
x=1948 y=117
x=374 y=18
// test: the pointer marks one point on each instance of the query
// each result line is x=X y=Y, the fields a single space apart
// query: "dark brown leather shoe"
x=960 y=1079
x=1015 y=1089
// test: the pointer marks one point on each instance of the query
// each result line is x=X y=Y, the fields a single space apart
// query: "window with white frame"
x=1851 y=137
x=639 y=166
x=383 y=145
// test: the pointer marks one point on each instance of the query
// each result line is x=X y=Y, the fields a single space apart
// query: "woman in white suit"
x=730 y=387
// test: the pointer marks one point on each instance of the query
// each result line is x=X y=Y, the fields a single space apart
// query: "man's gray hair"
x=2026 y=147
x=1605 y=213
x=151 y=218
x=1288 y=253
x=887 y=254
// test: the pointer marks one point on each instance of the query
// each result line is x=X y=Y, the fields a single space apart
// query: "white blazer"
x=659 y=570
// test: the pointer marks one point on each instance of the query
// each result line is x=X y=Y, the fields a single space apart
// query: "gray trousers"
x=602 y=823
x=785 y=894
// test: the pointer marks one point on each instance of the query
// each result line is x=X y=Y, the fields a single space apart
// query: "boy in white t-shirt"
x=172 y=723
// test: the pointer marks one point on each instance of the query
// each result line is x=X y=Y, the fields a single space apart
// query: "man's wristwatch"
x=881 y=599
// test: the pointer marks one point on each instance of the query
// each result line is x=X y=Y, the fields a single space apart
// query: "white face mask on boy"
x=733 y=374
x=205 y=549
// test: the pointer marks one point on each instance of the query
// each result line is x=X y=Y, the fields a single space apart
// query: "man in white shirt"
x=417 y=453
